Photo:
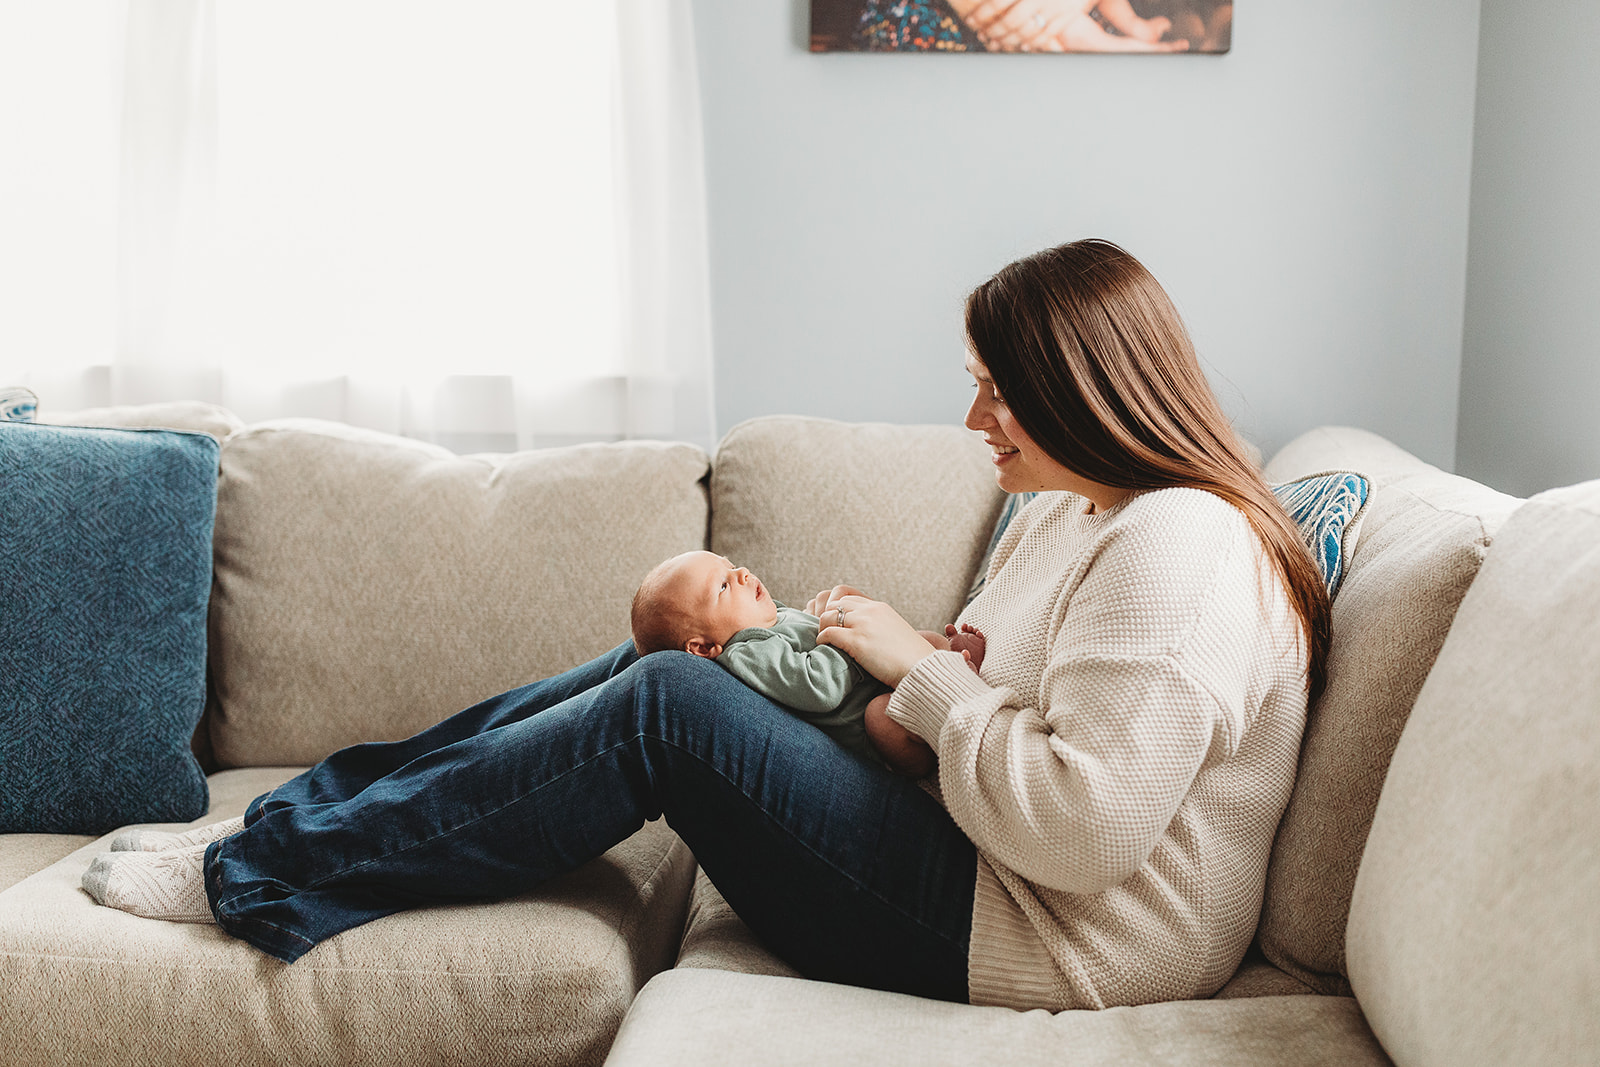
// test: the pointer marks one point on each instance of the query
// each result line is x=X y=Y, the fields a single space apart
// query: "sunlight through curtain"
x=480 y=223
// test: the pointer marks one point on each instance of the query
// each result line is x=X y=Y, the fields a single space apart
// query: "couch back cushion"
x=900 y=512
x=368 y=586
x=1424 y=536
x=1474 y=932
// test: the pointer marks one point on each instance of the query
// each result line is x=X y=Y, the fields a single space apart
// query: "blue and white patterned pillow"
x=1327 y=507
x=18 y=404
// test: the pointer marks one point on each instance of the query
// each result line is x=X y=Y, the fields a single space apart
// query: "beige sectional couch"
x=1433 y=897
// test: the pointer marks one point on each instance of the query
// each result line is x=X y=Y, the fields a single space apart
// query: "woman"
x=1110 y=784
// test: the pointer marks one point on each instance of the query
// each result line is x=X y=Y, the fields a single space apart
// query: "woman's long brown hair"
x=1096 y=365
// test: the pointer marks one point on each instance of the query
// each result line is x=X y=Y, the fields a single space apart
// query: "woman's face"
x=1021 y=466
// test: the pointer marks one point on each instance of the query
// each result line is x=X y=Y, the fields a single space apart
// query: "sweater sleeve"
x=811 y=682
x=1073 y=787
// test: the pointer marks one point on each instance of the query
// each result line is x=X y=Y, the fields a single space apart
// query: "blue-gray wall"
x=1304 y=199
x=1530 y=380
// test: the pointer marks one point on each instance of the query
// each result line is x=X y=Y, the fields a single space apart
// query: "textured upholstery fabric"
x=539 y=979
x=1422 y=542
x=714 y=937
x=368 y=586
x=178 y=415
x=105 y=564
x=1259 y=977
x=702 y=1018
x=25 y=854
x=901 y=512
x=1474 y=931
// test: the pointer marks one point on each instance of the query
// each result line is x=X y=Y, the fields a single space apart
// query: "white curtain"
x=478 y=222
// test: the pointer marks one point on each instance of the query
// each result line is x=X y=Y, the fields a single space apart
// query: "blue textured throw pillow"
x=1327 y=508
x=105 y=568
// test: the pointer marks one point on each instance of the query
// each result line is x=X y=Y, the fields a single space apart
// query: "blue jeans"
x=848 y=872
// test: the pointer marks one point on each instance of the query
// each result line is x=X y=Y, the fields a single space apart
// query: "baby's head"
x=695 y=602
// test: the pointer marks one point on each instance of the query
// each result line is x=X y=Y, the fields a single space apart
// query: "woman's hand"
x=824 y=600
x=874 y=635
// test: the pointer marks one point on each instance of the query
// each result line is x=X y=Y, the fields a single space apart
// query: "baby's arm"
x=812 y=683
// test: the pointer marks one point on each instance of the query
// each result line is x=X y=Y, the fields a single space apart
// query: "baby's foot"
x=161 y=841
x=167 y=885
x=969 y=642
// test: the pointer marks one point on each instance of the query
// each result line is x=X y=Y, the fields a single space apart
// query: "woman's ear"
x=699 y=646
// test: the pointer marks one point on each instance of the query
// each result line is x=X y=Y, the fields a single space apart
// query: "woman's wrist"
x=909 y=663
x=926 y=693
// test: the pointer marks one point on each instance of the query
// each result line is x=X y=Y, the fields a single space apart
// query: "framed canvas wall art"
x=1147 y=26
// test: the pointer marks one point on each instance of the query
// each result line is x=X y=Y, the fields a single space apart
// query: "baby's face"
x=724 y=599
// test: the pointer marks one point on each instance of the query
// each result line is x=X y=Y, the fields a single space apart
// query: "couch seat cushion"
x=538 y=979
x=1475 y=926
x=22 y=855
x=1424 y=537
x=702 y=1018
x=714 y=937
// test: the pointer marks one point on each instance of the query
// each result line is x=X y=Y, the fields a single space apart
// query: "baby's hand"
x=967 y=641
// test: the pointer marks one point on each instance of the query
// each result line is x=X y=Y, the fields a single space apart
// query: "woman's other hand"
x=874 y=635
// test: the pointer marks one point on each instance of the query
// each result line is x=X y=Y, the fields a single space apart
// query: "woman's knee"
x=679 y=696
x=672 y=668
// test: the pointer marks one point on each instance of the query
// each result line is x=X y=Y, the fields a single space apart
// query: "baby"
x=701 y=603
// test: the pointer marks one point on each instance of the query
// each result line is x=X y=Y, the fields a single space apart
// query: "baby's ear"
x=699 y=646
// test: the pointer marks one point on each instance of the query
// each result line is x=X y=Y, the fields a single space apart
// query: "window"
x=407 y=214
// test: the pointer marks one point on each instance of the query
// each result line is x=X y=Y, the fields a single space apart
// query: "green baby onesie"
x=822 y=685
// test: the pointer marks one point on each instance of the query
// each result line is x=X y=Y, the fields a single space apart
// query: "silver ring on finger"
x=840 y=612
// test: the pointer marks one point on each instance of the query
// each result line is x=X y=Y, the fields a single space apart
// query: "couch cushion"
x=698 y=1018
x=1421 y=544
x=369 y=586
x=1259 y=977
x=105 y=569
x=1475 y=928
x=25 y=854
x=542 y=978
x=901 y=512
x=714 y=937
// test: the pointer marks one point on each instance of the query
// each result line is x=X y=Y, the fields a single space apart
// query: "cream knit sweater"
x=1123 y=758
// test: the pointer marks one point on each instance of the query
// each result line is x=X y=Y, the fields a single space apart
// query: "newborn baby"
x=701 y=603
